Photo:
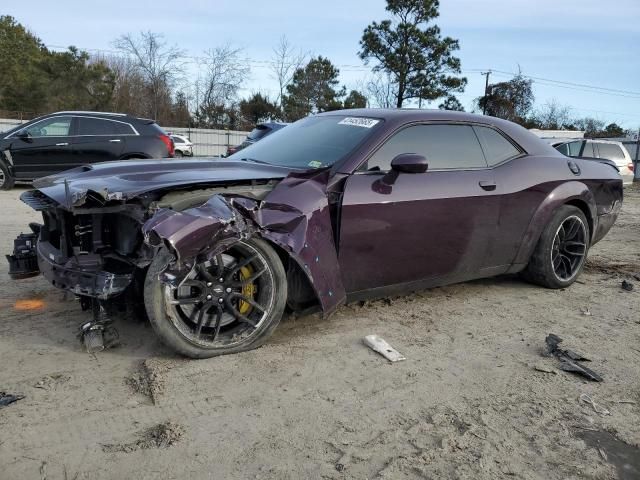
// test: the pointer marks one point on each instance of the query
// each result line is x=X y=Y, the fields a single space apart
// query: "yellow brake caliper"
x=248 y=290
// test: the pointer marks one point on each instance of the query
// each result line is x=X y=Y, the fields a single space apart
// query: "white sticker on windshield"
x=359 y=122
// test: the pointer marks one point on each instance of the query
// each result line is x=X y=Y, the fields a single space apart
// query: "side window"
x=444 y=146
x=574 y=148
x=610 y=151
x=121 y=128
x=52 y=127
x=563 y=148
x=177 y=140
x=588 y=150
x=97 y=126
x=496 y=148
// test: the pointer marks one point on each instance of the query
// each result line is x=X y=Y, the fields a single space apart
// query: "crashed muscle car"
x=336 y=207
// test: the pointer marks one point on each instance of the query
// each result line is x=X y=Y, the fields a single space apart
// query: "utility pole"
x=636 y=166
x=486 y=90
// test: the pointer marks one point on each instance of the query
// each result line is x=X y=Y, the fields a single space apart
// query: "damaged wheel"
x=561 y=251
x=229 y=303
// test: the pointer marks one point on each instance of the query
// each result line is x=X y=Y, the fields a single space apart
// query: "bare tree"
x=225 y=72
x=159 y=63
x=285 y=62
x=553 y=115
x=381 y=90
x=129 y=95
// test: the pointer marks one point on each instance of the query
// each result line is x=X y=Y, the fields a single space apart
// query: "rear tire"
x=6 y=180
x=204 y=317
x=561 y=252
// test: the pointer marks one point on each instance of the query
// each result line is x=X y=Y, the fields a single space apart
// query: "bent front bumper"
x=88 y=281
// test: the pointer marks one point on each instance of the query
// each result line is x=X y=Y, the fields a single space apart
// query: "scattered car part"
x=568 y=358
x=8 y=398
x=627 y=286
x=23 y=263
x=543 y=368
x=584 y=398
x=377 y=344
x=98 y=333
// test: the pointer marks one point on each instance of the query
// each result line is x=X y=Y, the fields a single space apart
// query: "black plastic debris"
x=568 y=359
x=8 y=399
x=628 y=286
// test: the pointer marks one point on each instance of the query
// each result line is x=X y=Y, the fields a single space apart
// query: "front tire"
x=226 y=304
x=178 y=154
x=6 y=179
x=561 y=252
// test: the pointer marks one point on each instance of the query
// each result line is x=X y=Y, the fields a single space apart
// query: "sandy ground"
x=316 y=403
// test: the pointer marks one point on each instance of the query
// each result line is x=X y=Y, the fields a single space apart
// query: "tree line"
x=148 y=77
x=514 y=100
x=411 y=62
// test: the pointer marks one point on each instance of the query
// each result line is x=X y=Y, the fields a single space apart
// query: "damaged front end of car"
x=98 y=245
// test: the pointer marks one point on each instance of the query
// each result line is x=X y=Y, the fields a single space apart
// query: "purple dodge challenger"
x=336 y=207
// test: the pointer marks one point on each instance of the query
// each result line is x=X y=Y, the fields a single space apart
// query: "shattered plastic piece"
x=8 y=398
x=584 y=398
x=628 y=286
x=543 y=368
x=377 y=344
x=568 y=359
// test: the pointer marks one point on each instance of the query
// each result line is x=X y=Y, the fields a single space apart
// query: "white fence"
x=206 y=142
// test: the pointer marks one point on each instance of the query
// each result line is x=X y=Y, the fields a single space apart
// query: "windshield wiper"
x=254 y=160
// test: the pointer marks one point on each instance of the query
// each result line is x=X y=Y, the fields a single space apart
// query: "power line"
x=198 y=60
x=580 y=86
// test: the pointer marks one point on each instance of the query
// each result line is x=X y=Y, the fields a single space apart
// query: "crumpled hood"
x=127 y=179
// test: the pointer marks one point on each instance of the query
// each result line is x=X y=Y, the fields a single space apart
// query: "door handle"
x=115 y=140
x=63 y=144
x=487 y=185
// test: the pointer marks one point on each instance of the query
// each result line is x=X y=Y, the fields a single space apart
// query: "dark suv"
x=63 y=140
x=262 y=130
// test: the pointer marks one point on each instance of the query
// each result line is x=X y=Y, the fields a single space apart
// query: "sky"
x=584 y=43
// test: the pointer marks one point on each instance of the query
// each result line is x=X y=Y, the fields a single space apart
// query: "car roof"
x=527 y=140
x=86 y=113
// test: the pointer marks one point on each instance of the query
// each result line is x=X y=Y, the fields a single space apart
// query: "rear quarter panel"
x=533 y=187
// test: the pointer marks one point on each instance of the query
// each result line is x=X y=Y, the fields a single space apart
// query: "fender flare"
x=576 y=193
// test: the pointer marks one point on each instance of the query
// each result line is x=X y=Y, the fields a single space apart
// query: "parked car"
x=63 y=140
x=597 y=148
x=183 y=146
x=261 y=131
x=337 y=207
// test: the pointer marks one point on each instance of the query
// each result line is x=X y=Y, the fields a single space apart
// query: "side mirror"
x=409 y=163
x=24 y=135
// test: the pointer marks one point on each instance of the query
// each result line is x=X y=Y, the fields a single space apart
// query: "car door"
x=516 y=200
x=419 y=226
x=45 y=149
x=99 y=139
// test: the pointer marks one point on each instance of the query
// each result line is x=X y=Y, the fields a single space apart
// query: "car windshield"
x=313 y=142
